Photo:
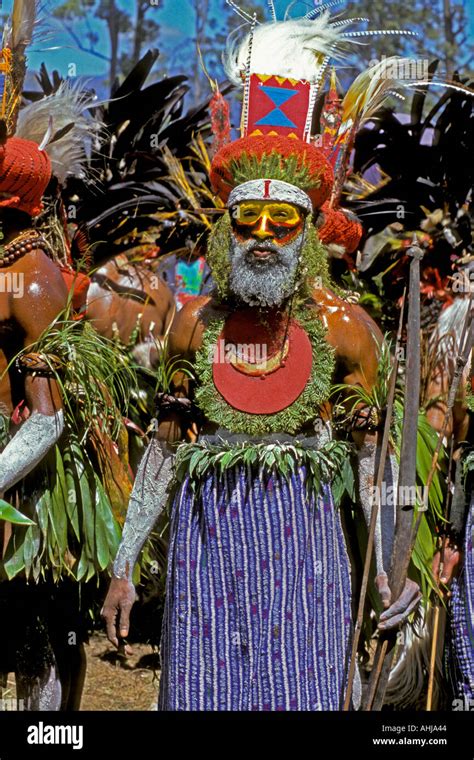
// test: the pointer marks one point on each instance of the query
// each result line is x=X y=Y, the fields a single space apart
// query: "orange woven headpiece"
x=25 y=172
x=273 y=157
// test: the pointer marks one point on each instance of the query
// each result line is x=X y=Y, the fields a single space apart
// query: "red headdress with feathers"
x=25 y=169
x=283 y=66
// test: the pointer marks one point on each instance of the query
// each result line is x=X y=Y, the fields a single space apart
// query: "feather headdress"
x=17 y=35
x=295 y=49
x=59 y=124
x=283 y=65
x=368 y=93
x=293 y=52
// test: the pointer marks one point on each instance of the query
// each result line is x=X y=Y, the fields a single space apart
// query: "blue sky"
x=175 y=17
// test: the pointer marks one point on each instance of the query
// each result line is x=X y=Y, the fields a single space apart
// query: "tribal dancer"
x=24 y=313
x=455 y=560
x=57 y=525
x=259 y=601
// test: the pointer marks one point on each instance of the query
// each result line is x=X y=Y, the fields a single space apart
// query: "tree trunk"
x=449 y=41
x=137 y=37
x=201 y=10
x=113 y=25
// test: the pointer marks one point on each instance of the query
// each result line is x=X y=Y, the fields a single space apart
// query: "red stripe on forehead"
x=266 y=188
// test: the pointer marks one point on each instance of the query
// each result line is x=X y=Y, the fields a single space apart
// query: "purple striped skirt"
x=462 y=619
x=258 y=605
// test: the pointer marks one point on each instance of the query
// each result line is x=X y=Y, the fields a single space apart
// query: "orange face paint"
x=264 y=220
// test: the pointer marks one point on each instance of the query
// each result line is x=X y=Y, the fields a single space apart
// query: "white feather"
x=408 y=678
x=371 y=89
x=446 y=338
x=22 y=23
x=293 y=49
x=51 y=114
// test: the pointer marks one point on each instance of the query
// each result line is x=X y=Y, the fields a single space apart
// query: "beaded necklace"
x=26 y=241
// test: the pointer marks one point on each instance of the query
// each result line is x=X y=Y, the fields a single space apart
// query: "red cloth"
x=268 y=393
x=25 y=171
x=262 y=106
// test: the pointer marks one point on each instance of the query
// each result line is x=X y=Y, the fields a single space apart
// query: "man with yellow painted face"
x=265 y=250
x=259 y=595
x=258 y=610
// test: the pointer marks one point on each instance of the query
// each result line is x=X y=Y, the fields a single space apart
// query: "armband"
x=43 y=365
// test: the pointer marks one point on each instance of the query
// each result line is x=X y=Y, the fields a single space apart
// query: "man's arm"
x=150 y=491
x=147 y=501
x=43 y=298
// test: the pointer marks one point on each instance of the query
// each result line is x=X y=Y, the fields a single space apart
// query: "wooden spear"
x=382 y=672
x=375 y=510
x=406 y=492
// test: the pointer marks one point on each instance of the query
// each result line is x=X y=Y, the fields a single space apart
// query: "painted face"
x=263 y=220
x=265 y=251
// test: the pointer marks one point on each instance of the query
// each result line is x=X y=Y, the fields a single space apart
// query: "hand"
x=451 y=562
x=396 y=612
x=119 y=601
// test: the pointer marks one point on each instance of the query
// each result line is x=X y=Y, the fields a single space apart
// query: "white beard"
x=264 y=282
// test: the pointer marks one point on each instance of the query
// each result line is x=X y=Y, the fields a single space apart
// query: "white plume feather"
x=293 y=49
x=372 y=88
x=408 y=677
x=46 y=121
x=23 y=20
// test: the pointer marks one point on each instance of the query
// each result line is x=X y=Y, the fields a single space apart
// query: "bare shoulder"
x=44 y=292
x=350 y=330
x=189 y=323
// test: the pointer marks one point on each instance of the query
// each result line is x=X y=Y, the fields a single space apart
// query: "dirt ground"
x=114 y=682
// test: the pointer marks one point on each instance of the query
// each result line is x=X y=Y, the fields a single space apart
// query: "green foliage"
x=315 y=261
x=354 y=396
x=74 y=532
x=218 y=254
x=469 y=397
x=468 y=463
x=167 y=368
x=96 y=376
x=70 y=9
x=289 y=420
x=372 y=304
x=426 y=444
x=10 y=514
x=425 y=545
x=272 y=166
x=328 y=464
x=158 y=379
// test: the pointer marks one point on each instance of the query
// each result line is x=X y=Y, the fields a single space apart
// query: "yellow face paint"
x=249 y=213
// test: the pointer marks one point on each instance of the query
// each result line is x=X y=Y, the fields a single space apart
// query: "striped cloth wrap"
x=258 y=605
x=462 y=618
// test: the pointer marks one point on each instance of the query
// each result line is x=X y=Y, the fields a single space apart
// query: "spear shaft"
x=375 y=510
x=402 y=548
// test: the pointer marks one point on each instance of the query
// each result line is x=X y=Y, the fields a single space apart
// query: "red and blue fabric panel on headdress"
x=277 y=105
